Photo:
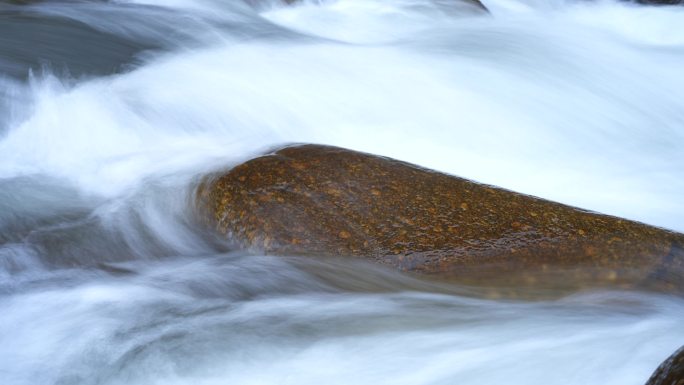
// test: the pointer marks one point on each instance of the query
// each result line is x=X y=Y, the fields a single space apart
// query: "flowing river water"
x=110 y=112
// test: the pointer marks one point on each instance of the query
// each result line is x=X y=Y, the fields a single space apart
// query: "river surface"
x=110 y=112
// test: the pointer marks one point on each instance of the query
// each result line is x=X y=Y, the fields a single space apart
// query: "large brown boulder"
x=670 y=372
x=327 y=201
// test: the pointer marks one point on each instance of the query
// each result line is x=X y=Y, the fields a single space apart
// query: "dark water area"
x=35 y=39
x=75 y=39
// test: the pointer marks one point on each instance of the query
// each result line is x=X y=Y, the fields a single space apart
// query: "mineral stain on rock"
x=328 y=201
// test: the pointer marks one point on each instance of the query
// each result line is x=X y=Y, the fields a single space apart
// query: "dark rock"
x=447 y=3
x=670 y=372
x=659 y=2
x=320 y=200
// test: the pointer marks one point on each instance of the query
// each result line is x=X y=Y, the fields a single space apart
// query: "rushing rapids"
x=113 y=112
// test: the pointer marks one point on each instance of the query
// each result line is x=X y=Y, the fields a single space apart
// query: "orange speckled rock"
x=320 y=200
x=670 y=372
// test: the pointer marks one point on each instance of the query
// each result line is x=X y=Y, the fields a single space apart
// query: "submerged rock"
x=320 y=200
x=660 y=2
x=670 y=372
x=447 y=4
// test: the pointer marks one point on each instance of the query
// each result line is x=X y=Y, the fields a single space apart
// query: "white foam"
x=551 y=103
x=577 y=102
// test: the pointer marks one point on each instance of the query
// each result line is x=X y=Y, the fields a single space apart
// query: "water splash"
x=106 y=278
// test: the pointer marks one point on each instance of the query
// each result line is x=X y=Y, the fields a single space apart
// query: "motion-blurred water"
x=111 y=111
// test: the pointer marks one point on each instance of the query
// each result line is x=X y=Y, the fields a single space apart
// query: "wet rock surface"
x=448 y=4
x=670 y=372
x=659 y=2
x=328 y=201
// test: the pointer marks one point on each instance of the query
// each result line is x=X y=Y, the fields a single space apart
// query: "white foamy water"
x=105 y=278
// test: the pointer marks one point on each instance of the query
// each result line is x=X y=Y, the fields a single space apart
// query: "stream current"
x=111 y=111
